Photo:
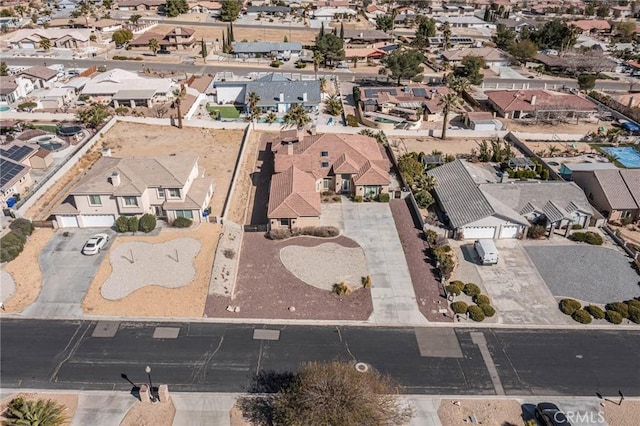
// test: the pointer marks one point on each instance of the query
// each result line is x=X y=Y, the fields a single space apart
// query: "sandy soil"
x=237 y=419
x=583 y=127
x=624 y=414
x=147 y=414
x=154 y=301
x=70 y=401
x=427 y=145
x=214 y=31
x=581 y=147
x=487 y=412
x=216 y=149
x=26 y=272
x=237 y=210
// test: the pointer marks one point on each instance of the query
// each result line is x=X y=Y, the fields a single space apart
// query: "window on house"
x=324 y=154
x=131 y=201
x=325 y=164
x=284 y=222
x=94 y=200
x=174 y=192
x=326 y=184
x=160 y=192
x=184 y=213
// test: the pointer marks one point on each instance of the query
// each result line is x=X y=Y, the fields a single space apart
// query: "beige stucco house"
x=167 y=187
x=614 y=192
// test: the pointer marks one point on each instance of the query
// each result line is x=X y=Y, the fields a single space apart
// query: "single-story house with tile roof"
x=42 y=77
x=176 y=39
x=404 y=100
x=363 y=54
x=293 y=200
x=141 y=5
x=493 y=57
x=333 y=13
x=167 y=187
x=365 y=36
x=127 y=88
x=61 y=38
x=538 y=103
x=344 y=164
x=478 y=206
x=276 y=92
x=614 y=192
x=251 y=49
x=466 y=22
x=211 y=7
x=592 y=25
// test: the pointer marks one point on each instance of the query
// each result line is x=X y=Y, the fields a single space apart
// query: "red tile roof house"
x=176 y=39
x=543 y=104
x=306 y=165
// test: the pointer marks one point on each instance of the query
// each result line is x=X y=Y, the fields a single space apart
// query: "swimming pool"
x=278 y=121
x=4 y=108
x=627 y=156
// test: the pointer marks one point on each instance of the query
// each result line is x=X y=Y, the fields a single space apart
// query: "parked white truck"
x=487 y=251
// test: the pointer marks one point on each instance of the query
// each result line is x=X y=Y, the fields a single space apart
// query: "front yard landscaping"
x=218 y=112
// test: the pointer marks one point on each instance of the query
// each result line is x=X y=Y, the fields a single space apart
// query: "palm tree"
x=271 y=117
x=449 y=102
x=45 y=43
x=154 y=46
x=553 y=150
x=459 y=85
x=134 y=19
x=254 y=111
x=297 y=116
x=334 y=105
x=39 y=412
x=178 y=95
x=318 y=57
x=446 y=36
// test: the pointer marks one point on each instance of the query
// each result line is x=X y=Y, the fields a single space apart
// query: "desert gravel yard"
x=587 y=273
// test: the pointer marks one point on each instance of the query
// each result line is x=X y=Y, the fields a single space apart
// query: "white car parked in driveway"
x=95 y=244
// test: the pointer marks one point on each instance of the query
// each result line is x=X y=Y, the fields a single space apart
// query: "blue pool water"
x=278 y=121
x=627 y=156
x=4 y=108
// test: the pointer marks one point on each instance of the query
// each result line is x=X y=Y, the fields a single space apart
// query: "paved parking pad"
x=588 y=273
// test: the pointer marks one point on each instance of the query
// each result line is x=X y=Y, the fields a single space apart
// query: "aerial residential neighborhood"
x=346 y=212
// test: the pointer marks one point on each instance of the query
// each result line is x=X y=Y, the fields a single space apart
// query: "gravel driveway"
x=589 y=273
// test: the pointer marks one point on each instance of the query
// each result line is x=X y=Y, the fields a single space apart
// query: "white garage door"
x=67 y=221
x=28 y=46
x=509 y=231
x=475 y=232
x=98 y=221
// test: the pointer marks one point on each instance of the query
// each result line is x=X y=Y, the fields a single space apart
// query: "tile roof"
x=42 y=73
x=366 y=35
x=488 y=53
x=266 y=46
x=620 y=187
x=521 y=100
x=592 y=24
x=292 y=194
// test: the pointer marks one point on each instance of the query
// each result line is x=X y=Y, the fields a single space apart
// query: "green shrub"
x=536 y=231
x=595 y=311
x=459 y=307
x=458 y=284
x=588 y=237
x=471 y=289
x=279 y=234
x=132 y=224
x=633 y=303
x=488 y=310
x=619 y=307
x=452 y=289
x=341 y=289
x=352 y=121
x=147 y=223
x=634 y=315
x=182 y=222
x=581 y=316
x=7 y=254
x=576 y=226
x=317 y=231
x=569 y=306
x=613 y=317
x=383 y=197
x=275 y=64
x=122 y=224
x=481 y=299
x=22 y=226
x=357 y=198
x=475 y=313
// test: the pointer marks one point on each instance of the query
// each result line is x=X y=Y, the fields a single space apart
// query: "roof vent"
x=115 y=178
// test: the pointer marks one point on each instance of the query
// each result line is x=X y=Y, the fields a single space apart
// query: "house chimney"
x=106 y=152
x=289 y=148
x=281 y=97
x=178 y=30
x=361 y=35
x=533 y=100
x=304 y=97
x=115 y=179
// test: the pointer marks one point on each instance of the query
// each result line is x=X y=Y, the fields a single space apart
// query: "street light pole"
x=148 y=371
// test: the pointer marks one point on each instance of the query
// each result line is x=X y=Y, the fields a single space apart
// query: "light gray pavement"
x=202 y=409
x=588 y=273
x=332 y=214
x=103 y=408
x=66 y=274
x=7 y=286
x=371 y=225
x=515 y=287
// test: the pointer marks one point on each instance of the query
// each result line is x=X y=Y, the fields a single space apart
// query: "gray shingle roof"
x=459 y=194
x=293 y=91
x=266 y=47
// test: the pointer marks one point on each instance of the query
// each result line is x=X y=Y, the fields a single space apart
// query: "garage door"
x=28 y=46
x=509 y=231
x=475 y=232
x=98 y=221
x=67 y=221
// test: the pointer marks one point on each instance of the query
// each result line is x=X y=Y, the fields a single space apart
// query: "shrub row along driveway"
x=588 y=273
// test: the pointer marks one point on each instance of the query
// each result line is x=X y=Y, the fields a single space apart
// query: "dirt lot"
x=69 y=401
x=427 y=145
x=486 y=412
x=154 y=301
x=561 y=147
x=26 y=273
x=583 y=127
x=244 y=187
x=216 y=149
x=147 y=414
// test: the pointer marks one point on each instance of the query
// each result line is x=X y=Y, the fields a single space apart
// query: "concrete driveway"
x=371 y=225
x=66 y=274
x=515 y=287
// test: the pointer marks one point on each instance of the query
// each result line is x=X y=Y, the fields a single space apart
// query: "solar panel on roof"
x=8 y=170
x=369 y=93
x=420 y=92
x=16 y=152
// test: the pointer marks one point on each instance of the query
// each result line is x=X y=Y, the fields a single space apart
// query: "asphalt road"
x=536 y=83
x=226 y=358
